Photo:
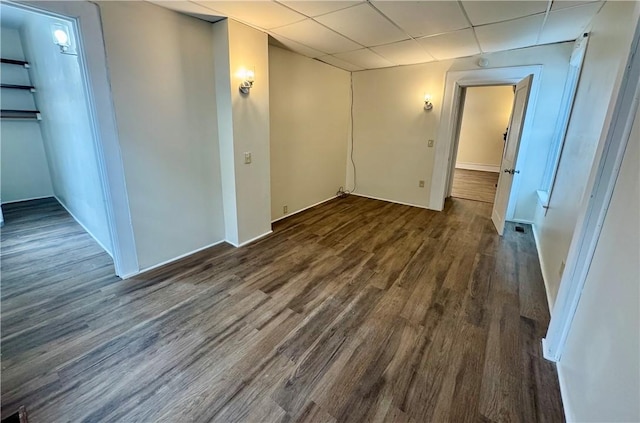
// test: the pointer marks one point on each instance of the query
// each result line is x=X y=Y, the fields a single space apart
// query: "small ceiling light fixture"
x=61 y=37
x=428 y=105
x=483 y=63
x=247 y=76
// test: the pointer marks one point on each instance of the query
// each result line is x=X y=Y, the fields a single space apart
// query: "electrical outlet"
x=247 y=157
x=430 y=143
x=285 y=209
x=421 y=184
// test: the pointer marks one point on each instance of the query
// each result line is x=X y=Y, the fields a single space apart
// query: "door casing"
x=456 y=82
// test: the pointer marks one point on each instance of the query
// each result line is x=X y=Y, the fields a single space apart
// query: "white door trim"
x=93 y=64
x=455 y=82
x=594 y=208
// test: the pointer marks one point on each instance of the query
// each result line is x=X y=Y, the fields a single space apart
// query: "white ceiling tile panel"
x=421 y=18
x=484 y=12
x=334 y=61
x=562 y=4
x=363 y=24
x=364 y=58
x=317 y=8
x=189 y=8
x=297 y=47
x=509 y=35
x=404 y=52
x=567 y=24
x=338 y=30
x=451 y=45
x=263 y=14
x=316 y=36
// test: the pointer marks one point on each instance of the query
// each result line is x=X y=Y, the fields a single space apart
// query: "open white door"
x=510 y=153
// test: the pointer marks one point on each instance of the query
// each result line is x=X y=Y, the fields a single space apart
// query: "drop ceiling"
x=359 y=35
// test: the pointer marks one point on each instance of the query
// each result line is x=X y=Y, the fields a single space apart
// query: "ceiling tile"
x=263 y=14
x=563 y=4
x=404 y=53
x=484 y=12
x=364 y=58
x=316 y=36
x=340 y=63
x=190 y=8
x=296 y=46
x=567 y=24
x=510 y=35
x=451 y=45
x=420 y=18
x=317 y=8
x=363 y=24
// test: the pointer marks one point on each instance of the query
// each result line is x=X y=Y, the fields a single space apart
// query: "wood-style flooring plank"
x=354 y=310
x=474 y=185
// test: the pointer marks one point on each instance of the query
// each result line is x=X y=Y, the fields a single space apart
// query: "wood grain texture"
x=354 y=310
x=474 y=185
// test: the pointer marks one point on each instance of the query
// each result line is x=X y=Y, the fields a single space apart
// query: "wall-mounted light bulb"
x=428 y=105
x=250 y=75
x=247 y=76
x=61 y=37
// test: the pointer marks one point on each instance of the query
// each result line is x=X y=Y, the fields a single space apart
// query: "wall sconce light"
x=61 y=37
x=428 y=105
x=247 y=77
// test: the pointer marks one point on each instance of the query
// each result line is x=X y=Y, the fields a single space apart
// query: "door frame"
x=448 y=130
x=93 y=65
x=593 y=211
x=457 y=127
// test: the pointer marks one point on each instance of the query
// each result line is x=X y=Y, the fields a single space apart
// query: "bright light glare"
x=61 y=37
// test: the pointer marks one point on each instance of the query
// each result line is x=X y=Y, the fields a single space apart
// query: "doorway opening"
x=479 y=146
x=47 y=148
x=527 y=81
x=58 y=136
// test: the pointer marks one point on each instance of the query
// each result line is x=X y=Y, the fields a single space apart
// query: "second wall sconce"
x=247 y=81
x=428 y=105
x=61 y=37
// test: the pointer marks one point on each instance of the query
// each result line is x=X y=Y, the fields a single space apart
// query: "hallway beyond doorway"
x=474 y=185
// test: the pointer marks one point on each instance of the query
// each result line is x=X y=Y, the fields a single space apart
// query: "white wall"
x=24 y=168
x=309 y=121
x=161 y=68
x=248 y=48
x=244 y=128
x=600 y=366
x=604 y=61
x=66 y=128
x=485 y=118
x=392 y=128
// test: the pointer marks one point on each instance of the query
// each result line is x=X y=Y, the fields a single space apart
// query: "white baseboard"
x=390 y=201
x=543 y=268
x=478 y=166
x=303 y=209
x=523 y=221
x=180 y=257
x=84 y=227
x=29 y=199
x=242 y=244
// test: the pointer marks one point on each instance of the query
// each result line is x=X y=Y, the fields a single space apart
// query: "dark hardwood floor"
x=474 y=185
x=355 y=310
